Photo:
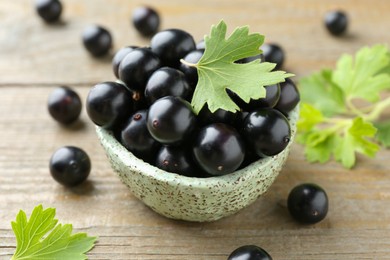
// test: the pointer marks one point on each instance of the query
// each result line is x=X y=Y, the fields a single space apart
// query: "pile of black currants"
x=148 y=110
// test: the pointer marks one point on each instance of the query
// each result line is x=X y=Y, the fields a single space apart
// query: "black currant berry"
x=146 y=20
x=336 y=22
x=70 y=165
x=249 y=252
x=219 y=149
x=267 y=131
x=171 y=120
x=205 y=117
x=167 y=81
x=308 y=203
x=273 y=53
x=97 y=40
x=109 y=104
x=49 y=10
x=252 y=58
x=272 y=95
x=177 y=159
x=64 y=105
x=136 y=137
x=137 y=66
x=118 y=57
x=171 y=46
x=289 y=97
x=191 y=72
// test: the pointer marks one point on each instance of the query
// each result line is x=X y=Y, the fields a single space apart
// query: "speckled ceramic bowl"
x=193 y=199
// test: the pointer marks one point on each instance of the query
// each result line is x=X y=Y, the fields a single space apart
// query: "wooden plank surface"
x=35 y=58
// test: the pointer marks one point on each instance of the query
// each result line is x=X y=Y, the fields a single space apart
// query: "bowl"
x=194 y=199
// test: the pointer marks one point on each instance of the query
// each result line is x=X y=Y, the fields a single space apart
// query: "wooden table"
x=35 y=58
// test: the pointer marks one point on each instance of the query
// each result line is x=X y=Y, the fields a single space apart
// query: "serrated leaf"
x=218 y=72
x=321 y=148
x=319 y=91
x=383 y=134
x=362 y=77
x=35 y=242
x=309 y=116
x=356 y=139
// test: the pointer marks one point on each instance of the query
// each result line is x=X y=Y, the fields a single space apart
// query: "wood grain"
x=35 y=58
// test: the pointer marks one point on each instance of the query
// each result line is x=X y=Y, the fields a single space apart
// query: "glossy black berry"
x=177 y=159
x=336 y=22
x=289 y=97
x=206 y=117
x=109 y=104
x=191 y=72
x=167 y=81
x=70 y=165
x=136 y=138
x=219 y=149
x=171 y=120
x=146 y=20
x=171 y=46
x=273 y=53
x=119 y=56
x=249 y=252
x=308 y=203
x=64 y=105
x=137 y=66
x=49 y=10
x=267 y=131
x=97 y=40
x=272 y=95
x=252 y=58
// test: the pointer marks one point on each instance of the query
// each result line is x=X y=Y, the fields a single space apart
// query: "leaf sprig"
x=35 y=242
x=331 y=124
x=218 y=72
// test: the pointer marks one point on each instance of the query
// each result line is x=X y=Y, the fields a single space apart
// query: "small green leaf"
x=309 y=116
x=362 y=77
x=218 y=72
x=383 y=134
x=319 y=91
x=356 y=139
x=322 y=146
x=35 y=242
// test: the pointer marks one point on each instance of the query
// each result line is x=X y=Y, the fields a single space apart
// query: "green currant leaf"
x=383 y=134
x=355 y=139
x=309 y=116
x=363 y=77
x=35 y=242
x=218 y=72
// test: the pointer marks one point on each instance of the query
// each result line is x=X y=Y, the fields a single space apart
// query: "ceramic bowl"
x=188 y=198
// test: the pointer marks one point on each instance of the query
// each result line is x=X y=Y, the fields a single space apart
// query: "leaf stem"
x=378 y=109
x=188 y=63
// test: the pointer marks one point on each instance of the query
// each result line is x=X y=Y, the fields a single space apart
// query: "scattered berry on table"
x=308 y=203
x=49 y=10
x=336 y=22
x=146 y=20
x=70 y=165
x=249 y=252
x=97 y=40
x=64 y=105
